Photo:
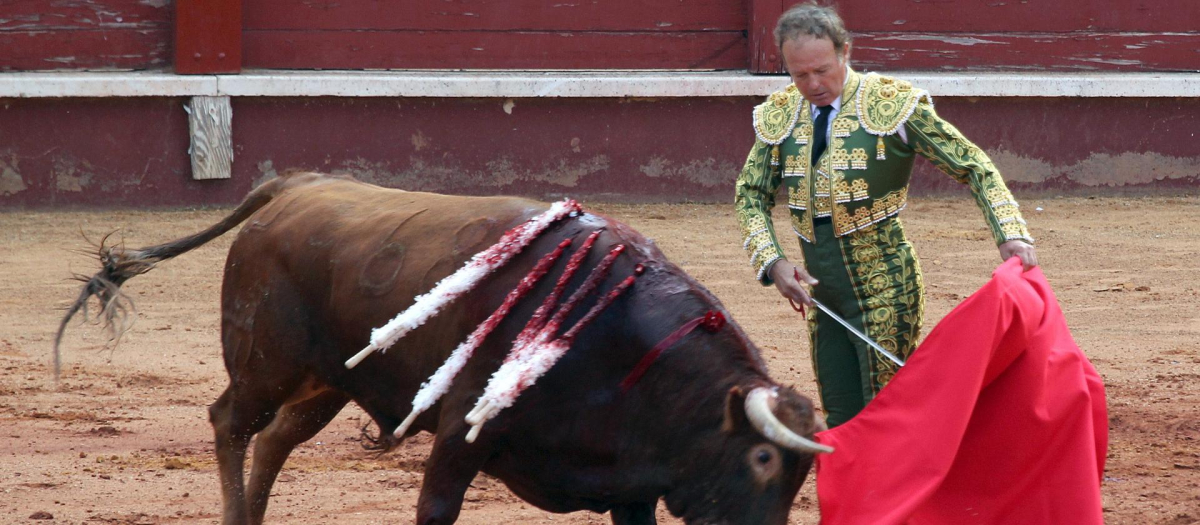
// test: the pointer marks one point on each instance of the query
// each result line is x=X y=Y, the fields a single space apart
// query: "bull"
x=322 y=260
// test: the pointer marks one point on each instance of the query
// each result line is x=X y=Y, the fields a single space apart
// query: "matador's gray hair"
x=811 y=19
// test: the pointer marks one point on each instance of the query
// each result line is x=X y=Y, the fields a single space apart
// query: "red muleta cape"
x=998 y=418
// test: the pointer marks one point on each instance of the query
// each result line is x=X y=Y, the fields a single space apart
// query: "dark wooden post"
x=208 y=36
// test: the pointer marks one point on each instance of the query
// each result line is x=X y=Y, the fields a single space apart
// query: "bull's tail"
x=119 y=264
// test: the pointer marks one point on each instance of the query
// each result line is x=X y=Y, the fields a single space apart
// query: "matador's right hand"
x=788 y=280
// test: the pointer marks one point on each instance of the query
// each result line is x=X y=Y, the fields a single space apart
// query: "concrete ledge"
x=125 y=84
x=598 y=84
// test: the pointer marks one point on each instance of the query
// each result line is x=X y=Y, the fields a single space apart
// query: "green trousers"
x=871 y=278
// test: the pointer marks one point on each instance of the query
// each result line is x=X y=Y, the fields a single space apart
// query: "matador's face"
x=817 y=69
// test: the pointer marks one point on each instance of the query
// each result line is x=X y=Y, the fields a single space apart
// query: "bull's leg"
x=452 y=465
x=247 y=406
x=234 y=422
x=293 y=425
x=634 y=514
x=263 y=330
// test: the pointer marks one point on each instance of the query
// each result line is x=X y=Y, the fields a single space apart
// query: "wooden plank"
x=40 y=15
x=84 y=49
x=1033 y=52
x=210 y=123
x=1025 y=16
x=499 y=15
x=208 y=36
x=764 y=55
x=493 y=50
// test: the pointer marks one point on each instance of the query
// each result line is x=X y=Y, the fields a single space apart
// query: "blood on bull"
x=633 y=404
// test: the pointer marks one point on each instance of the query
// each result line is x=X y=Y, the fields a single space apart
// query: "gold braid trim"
x=890 y=290
x=775 y=118
x=885 y=103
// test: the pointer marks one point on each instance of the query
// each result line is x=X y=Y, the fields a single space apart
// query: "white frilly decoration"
x=426 y=306
x=513 y=377
x=439 y=383
x=536 y=352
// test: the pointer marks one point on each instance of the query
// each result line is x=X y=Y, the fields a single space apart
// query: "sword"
x=891 y=357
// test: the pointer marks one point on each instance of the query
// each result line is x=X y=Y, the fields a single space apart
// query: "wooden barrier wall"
x=510 y=34
x=40 y=35
x=958 y=35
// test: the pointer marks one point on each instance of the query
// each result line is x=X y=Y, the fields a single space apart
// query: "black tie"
x=819 y=132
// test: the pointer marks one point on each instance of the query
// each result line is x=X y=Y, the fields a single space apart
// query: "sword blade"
x=891 y=357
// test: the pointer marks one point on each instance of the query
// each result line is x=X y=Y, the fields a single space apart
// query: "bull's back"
x=349 y=256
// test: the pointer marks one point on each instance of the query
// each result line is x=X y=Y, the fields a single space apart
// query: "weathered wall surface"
x=1080 y=144
x=133 y=151
x=1026 y=35
x=39 y=35
x=957 y=35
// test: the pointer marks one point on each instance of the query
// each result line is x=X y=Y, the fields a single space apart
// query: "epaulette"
x=775 y=118
x=885 y=103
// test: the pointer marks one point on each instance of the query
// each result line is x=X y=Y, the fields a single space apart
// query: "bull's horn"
x=758 y=410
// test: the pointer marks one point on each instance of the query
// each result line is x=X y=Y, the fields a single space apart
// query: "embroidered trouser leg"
x=871 y=279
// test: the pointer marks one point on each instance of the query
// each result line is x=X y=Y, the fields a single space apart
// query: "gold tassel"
x=880 y=151
x=775 y=155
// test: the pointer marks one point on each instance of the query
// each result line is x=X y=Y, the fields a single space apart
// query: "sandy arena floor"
x=125 y=437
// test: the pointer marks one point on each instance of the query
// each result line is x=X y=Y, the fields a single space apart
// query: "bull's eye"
x=764 y=457
x=764 y=461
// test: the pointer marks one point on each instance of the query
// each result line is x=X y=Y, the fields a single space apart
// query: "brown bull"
x=323 y=260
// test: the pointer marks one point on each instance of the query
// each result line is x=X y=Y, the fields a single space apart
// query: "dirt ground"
x=124 y=438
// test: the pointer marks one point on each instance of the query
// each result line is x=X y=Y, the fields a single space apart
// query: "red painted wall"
x=1083 y=35
x=133 y=152
x=958 y=35
x=496 y=34
x=85 y=34
x=1026 y=35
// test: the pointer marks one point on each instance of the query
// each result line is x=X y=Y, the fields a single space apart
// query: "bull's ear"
x=735 y=410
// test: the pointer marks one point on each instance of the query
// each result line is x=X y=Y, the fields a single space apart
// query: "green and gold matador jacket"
x=862 y=178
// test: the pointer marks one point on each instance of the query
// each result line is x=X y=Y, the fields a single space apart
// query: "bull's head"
x=762 y=460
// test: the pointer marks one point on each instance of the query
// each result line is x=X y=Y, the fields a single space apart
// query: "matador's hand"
x=1021 y=249
x=784 y=274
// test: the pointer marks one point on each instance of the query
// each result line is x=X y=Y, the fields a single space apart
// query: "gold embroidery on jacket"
x=840 y=159
x=846 y=221
x=754 y=196
x=775 y=118
x=885 y=103
x=802 y=132
x=858 y=159
x=802 y=226
x=821 y=193
x=858 y=189
x=841 y=192
x=798 y=196
x=794 y=166
x=843 y=127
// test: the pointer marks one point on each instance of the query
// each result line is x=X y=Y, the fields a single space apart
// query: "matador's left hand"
x=1022 y=249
